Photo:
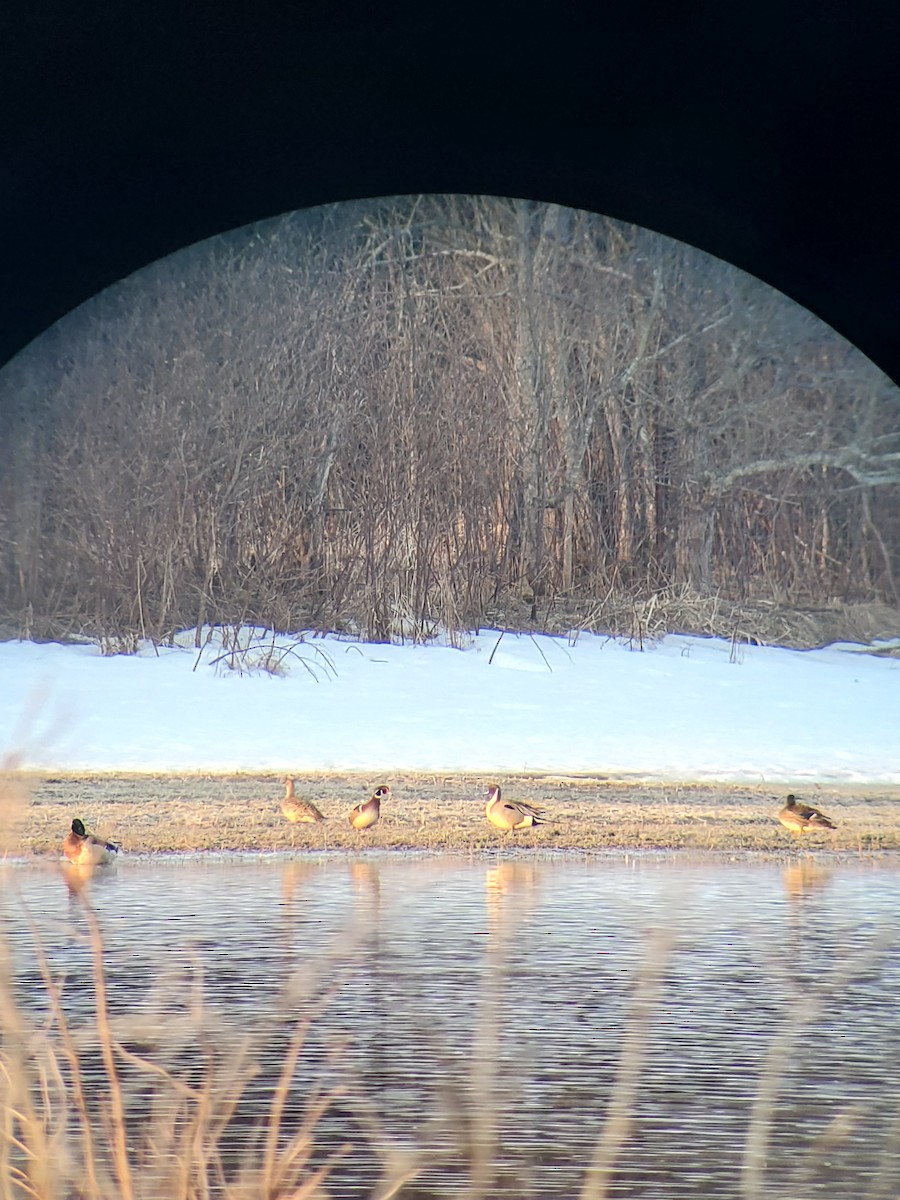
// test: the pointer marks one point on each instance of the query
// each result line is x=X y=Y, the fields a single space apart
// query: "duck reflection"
x=806 y=952
x=79 y=878
x=293 y=879
x=366 y=880
x=509 y=889
x=804 y=878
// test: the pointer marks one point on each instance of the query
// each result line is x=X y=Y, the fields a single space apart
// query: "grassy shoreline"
x=444 y=812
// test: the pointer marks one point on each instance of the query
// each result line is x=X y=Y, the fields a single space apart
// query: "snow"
x=682 y=708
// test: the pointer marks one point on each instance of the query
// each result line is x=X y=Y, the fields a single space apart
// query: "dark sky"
x=766 y=134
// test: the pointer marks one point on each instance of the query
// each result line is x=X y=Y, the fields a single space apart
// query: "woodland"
x=424 y=413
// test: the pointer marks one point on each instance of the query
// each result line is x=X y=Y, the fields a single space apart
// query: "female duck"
x=297 y=810
x=369 y=811
x=85 y=850
x=511 y=814
x=799 y=817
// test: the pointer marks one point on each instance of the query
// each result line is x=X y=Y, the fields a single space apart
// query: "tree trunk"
x=529 y=407
x=694 y=542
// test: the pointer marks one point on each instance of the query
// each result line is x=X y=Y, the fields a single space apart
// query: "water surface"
x=742 y=1017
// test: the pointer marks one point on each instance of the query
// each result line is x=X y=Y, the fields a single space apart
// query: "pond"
x=650 y=1025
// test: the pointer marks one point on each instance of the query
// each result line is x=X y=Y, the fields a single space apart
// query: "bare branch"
x=870 y=472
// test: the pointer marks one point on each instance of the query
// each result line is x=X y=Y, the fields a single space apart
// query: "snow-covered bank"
x=685 y=708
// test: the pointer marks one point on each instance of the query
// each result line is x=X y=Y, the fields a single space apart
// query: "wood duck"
x=297 y=810
x=369 y=811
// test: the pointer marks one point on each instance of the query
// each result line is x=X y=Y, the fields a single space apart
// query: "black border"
x=765 y=135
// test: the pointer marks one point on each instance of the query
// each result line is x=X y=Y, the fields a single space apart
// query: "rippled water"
x=741 y=1018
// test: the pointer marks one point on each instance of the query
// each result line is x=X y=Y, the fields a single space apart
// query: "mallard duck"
x=85 y=850
x=799 y=817
x=369 y=811
x=297 y=810
x=511 y=814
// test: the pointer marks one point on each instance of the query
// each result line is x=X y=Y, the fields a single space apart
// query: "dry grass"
x=642 y=616
x=150 y=814
x=645 y=618
x=137 y=1126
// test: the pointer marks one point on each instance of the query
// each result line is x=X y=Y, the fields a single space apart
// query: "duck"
x=297 y=810
x=85 y=850
x=799 y=817
x=511 y=814
x=367 y=813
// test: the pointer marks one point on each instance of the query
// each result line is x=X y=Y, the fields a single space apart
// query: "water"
x=487 y=1020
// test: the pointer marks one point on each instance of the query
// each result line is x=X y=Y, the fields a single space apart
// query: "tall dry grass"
x=135 y=1126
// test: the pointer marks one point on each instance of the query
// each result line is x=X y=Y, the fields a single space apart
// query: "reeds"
x=139 y=1128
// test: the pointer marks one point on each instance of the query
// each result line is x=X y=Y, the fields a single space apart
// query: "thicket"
x=394 y=414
